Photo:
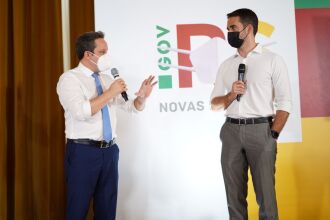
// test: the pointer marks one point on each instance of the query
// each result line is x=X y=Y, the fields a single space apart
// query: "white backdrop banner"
x=170 y=153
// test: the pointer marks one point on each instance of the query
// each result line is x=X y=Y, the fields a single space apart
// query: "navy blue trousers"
x=91 y=173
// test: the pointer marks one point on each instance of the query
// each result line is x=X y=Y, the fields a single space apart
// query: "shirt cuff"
x=134 y=107
x=284 y=106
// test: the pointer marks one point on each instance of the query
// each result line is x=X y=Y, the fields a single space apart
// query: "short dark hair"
x=247 y=16
x=86 y=42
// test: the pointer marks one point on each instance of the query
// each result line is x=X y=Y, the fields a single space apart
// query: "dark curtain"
x=32 y=142
x=81 y=21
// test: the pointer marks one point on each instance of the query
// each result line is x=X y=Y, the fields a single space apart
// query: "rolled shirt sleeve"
x=281 y=83
x=219 y=87
x=72 y=98
x=125 y=106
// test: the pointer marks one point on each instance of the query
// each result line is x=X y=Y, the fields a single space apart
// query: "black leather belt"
x=248 y=121
x=98 y=144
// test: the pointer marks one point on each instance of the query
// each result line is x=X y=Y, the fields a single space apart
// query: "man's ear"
x=87 y=54
x=250 y=27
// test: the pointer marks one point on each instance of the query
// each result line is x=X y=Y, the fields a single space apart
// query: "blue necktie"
x=107 y=131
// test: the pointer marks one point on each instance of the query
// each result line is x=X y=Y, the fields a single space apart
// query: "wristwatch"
x=274 y=134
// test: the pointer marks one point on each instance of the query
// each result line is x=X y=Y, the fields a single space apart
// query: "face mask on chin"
x=103 y=63
x=234 y=40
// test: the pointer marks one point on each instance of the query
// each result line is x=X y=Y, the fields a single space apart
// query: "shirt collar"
x=85 y=70
x=257 y=49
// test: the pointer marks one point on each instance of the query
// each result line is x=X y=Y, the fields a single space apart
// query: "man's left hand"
x=146 y=87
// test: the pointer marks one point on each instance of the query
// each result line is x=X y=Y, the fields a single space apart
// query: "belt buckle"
x=239 y=121
x=104 y=144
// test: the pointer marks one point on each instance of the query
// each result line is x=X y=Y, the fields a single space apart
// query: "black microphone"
x=115 y=74
x=241 y=73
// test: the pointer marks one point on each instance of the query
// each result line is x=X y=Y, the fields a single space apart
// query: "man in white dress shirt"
x=249 y=135
x=89 y=99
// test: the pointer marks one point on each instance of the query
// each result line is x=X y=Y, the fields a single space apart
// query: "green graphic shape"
x=165 y=81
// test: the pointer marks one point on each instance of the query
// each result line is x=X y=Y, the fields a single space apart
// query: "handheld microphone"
x=241 y=73
x=115 y=74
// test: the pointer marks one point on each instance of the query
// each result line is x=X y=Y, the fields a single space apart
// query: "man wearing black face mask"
x=249 y=135
x=234 y=38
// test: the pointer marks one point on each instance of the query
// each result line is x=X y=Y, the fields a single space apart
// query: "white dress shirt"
x=75 y=89
x=268 y=86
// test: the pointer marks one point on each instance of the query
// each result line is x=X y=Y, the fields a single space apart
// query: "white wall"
x=170 y=161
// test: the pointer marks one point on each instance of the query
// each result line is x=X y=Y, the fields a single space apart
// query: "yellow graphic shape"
x=265 y=28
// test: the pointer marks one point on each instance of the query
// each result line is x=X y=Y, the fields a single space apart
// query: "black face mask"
x=234 y=40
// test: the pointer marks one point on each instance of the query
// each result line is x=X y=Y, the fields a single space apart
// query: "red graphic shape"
x=184 y=32
x=313 y=61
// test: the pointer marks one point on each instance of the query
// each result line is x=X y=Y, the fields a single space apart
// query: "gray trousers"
x=245 y=146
